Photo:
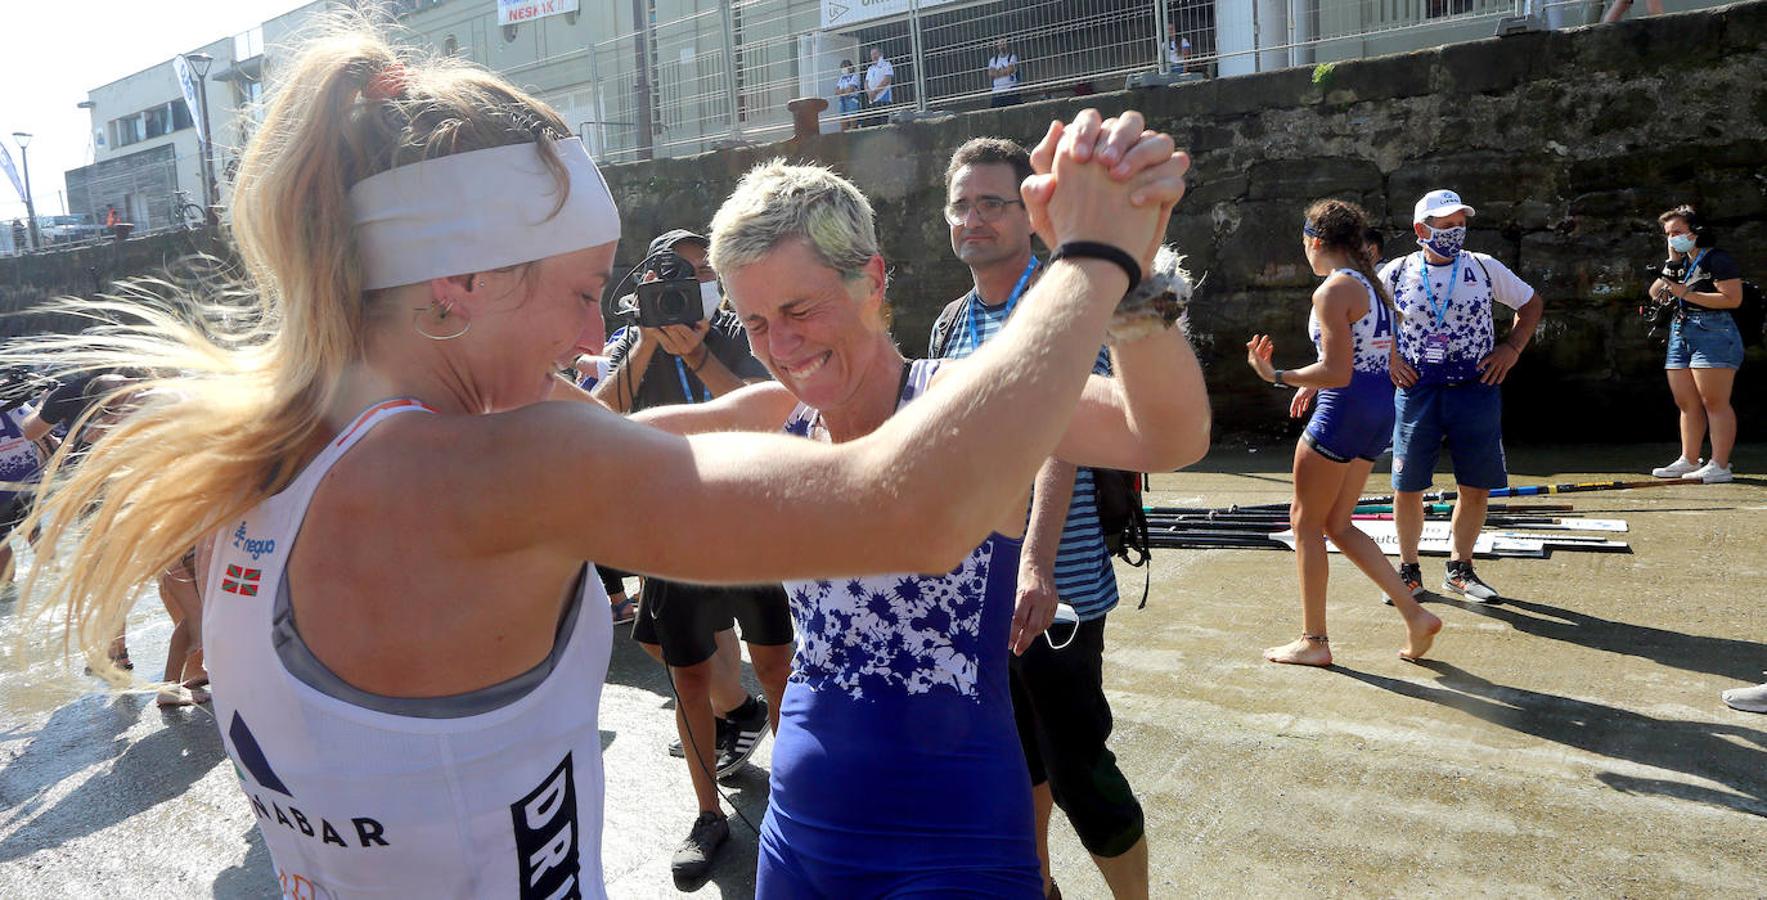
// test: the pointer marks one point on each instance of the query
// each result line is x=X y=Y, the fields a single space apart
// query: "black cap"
x=668 y=239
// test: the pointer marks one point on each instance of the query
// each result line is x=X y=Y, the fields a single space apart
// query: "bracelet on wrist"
x=1276 y=379
x=1095 y=250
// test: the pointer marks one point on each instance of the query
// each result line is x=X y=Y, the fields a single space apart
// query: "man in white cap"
x=1448 y=366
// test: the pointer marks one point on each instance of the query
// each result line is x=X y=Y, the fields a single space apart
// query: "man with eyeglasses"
x=1058 y=697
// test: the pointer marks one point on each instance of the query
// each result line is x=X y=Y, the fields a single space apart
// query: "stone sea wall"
x=1568 y=143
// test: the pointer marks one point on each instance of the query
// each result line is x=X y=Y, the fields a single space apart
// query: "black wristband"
x=1106 y=252
x=1276 y=380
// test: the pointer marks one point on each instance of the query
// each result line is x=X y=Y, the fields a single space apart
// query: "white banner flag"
x=514 y=12
x=12 y=173
x=187 y=84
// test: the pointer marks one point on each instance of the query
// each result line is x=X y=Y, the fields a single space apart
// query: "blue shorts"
x=1704 y=339
x=1354 y=421
x=1468 y=416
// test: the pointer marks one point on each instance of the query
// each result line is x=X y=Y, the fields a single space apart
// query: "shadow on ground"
x=1706 y=750
x=1726 y=657
x=152 y=770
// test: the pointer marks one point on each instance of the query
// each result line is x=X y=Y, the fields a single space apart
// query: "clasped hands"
x=1109 y=181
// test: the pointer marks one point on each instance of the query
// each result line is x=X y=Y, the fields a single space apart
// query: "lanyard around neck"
x=1018 y=290
x=686 y=389
x=1693 y=266
x=1440 y=310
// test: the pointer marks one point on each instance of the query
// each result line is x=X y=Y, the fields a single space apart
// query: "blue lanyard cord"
x=1018 y=290
x=1693 y=266
x=1429 y=290
x=686 y=390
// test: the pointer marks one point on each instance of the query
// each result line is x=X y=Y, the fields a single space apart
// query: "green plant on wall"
x=1322 y=74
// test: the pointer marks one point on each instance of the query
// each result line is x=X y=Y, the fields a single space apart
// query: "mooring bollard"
x=806 y=116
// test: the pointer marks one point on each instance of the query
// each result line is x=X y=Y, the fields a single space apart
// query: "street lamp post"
x=199 y=63
x=24 y=140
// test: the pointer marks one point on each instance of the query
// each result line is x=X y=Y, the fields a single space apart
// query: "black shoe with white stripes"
x=748 y=725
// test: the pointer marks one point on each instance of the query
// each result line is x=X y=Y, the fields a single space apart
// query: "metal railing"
x=726 y=74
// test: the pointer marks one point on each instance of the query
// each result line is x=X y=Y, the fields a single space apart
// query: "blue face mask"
x=1683 y=243
x=1445 y=241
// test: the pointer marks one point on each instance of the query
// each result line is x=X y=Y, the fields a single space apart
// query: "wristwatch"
x=1277 y=380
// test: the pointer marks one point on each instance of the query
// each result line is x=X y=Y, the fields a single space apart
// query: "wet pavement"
x=1568 y=742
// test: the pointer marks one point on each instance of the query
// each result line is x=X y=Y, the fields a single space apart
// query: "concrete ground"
x=1567 y=743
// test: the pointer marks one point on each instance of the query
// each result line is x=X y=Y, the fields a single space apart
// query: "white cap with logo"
x=1436 y=203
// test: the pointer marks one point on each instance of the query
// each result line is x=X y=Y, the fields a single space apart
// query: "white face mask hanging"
x=709 y=297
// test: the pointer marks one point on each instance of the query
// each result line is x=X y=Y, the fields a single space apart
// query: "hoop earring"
x=417 y=325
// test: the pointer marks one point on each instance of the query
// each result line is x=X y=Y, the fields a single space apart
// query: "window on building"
x=181 y=116
x=248 y=44
x=450 y=46
x=509 y=33
x=158 y=120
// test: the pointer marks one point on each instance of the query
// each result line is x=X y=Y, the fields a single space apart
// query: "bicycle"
x=187 y=215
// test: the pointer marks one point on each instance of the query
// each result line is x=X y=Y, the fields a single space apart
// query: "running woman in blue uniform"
x=1352 y=325
x=897 y=769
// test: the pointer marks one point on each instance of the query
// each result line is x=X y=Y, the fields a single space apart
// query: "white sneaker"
x=1749 y=699
x=1677 y=468
x=1710 y=473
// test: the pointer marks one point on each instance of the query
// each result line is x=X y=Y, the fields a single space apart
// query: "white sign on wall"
x=843 y=13
x=514 y=12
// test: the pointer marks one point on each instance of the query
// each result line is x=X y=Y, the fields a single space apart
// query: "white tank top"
x=494 y=793
x=1371 y=337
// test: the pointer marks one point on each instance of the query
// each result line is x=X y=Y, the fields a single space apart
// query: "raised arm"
x=916 y=494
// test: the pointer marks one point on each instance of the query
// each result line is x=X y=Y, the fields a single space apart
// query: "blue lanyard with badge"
x=1018 y=290
x=1435 y=346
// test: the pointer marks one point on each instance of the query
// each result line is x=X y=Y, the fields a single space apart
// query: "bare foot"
x=1302 y=651
x=1422 y=631
x=172 y=696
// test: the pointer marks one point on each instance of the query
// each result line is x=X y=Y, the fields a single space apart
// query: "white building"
x=148 y=152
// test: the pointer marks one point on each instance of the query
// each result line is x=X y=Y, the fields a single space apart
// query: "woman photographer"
x=1705 y=346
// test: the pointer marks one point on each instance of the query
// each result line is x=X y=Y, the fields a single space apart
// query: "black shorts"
x=1064 y=721
x=612 y=580
x=684 y=619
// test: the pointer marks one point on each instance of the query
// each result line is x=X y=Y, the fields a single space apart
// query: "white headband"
x=477 y=211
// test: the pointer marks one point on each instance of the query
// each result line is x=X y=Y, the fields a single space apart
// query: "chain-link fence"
x=725 y=72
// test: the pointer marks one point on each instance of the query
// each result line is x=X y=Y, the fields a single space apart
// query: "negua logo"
x=257 y=548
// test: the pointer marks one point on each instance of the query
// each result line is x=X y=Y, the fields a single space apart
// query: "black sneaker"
x=1412 y=575
x=1463 y=581
x=748 y=725
x=720 y=735
x=693 y=861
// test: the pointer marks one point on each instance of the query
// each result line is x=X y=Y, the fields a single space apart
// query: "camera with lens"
x=1658 y=310
x=673 y=298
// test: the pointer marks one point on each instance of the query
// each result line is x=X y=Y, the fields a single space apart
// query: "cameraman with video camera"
x=682 y=346
x=1702 y=284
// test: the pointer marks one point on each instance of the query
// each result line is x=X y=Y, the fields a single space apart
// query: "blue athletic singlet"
x=1356 y=421
x=897 y=767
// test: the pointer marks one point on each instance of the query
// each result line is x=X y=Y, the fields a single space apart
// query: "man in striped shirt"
x=1064 y=719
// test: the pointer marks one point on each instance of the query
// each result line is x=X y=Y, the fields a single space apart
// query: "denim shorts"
x=1704 y=339
x=1467 y=416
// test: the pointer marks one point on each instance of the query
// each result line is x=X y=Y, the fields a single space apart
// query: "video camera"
x=671 y=299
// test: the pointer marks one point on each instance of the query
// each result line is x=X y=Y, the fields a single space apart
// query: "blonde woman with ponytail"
x=406 y=645
x=1352 y=324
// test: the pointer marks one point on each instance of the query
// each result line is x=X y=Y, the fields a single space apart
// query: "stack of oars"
x=1511 y=529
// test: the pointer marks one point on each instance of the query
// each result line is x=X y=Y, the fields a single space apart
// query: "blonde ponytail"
x=243 y=377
